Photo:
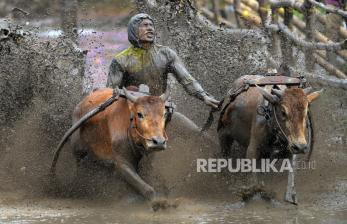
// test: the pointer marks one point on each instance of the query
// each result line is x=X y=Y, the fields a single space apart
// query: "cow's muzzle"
x=299 y=148
x=156 y=144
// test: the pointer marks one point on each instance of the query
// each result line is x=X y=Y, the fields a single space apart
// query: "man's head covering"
x=133 y=27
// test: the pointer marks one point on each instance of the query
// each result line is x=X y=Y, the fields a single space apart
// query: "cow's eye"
x=284 y=114
x=140 y=115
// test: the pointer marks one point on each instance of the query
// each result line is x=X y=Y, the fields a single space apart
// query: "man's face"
x=146 y=31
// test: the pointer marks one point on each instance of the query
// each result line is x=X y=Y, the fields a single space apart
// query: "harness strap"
x=210 y=118
x=279 y=126
x=267 y=114
x=232 y=97
x=277 y=80
x=133 y=145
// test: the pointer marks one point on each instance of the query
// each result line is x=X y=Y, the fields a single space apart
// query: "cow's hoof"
x=150 y=193
x=248 y=192
x=159 y=203
x=163 y=204
x=291 y=198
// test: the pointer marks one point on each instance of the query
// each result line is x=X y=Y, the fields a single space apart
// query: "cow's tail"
x=66 y=137
x=78 y=124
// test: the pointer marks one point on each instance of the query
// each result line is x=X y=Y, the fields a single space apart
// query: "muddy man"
x=146 y=62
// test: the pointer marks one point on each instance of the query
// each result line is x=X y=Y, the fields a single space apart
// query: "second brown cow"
x=243 y=123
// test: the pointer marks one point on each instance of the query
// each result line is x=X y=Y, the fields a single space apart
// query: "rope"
x=232 y=97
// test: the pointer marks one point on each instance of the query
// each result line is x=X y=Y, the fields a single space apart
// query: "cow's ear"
x=312 y=96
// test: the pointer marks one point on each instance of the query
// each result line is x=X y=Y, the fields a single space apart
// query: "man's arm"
x=115 y=75
x=182 y=75
x=189 y=82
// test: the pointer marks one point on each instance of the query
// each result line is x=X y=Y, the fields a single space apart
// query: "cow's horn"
x=128 y=95
x=277 y=92
x=166 y=95
x=308 y=90
x=268 y=96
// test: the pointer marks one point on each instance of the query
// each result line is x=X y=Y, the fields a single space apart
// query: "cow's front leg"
x=252 y=153
x=145 y=189
x=290 y=195
x=132 y=178
x=257 y=137
x=251 y=187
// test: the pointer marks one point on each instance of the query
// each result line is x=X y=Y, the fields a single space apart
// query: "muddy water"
x=257 y=211
x=202 y=198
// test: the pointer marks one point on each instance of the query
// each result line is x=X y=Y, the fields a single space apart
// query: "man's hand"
x=209 y=100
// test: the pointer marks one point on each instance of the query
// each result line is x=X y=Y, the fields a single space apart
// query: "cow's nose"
x=158 y=141
x=299 y=148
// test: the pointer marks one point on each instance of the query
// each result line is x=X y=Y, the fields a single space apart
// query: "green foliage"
x=298 y=14
x=320 y=10
x=317 y=10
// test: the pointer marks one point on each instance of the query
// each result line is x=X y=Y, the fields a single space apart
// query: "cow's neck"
x=137 y=150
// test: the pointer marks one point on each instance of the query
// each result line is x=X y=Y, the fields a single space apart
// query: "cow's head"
x=148 y=120
x=291 y=107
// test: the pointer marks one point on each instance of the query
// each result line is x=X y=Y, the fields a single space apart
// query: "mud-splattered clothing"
x=135 y=66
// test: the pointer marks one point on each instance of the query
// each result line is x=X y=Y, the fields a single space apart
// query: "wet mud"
x=201 y=197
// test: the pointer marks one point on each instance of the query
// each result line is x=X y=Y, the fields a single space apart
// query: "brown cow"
x=242 y=122
x=122 y=133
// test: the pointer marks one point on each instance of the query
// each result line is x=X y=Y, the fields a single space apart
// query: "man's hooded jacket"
x=136 y=65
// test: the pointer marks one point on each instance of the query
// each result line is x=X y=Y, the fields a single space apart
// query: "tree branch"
x=329 y=8
x=280 y=27
x=299 y=6
x=329 y=67
x=210 y=15
x=316 y=78
x=286 y=3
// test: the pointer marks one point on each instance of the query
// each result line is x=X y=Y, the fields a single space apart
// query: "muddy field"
x=55 y=75
x=27 y=197
x=201 y=198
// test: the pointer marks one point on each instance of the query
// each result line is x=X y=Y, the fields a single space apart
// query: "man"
x=146 y=62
